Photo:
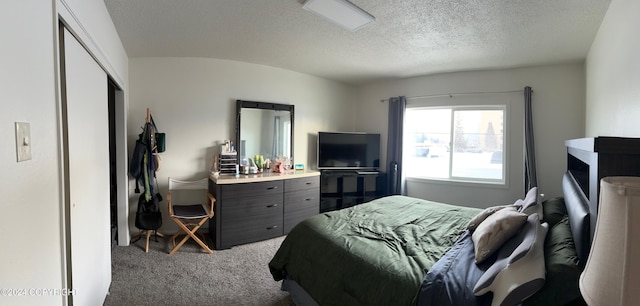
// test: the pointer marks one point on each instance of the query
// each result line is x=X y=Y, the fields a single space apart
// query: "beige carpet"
x=236 y=276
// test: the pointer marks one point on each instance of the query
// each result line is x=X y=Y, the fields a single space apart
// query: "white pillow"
x=495 y=230
x=473 y=223
x=519 y=270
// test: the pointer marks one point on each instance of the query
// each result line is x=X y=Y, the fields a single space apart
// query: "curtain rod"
x=450 y=95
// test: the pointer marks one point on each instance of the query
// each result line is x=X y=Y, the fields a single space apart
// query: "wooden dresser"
x=256 y=207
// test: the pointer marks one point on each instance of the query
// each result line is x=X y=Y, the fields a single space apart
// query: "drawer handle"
x=309 y=183
x=273 y=205
x=272 y=188
x=308 y=199
x=272 y=227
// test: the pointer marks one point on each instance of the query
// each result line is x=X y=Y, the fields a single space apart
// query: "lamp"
x=612 y=271
x=341 y=12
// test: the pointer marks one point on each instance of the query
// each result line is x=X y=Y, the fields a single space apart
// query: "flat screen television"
x=348 y=151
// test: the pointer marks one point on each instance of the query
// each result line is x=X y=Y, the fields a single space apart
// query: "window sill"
x=459 y=182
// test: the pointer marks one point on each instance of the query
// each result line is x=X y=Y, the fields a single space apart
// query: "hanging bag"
x=160 y=138
x=157 y=161
x=136 y=165
x=148 y=216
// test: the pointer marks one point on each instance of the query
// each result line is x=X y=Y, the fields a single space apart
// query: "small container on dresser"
x=227 y=161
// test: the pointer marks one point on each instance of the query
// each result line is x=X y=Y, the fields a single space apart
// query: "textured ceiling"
x=409 y=37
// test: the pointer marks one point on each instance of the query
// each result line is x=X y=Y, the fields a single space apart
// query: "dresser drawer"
x=244 y=208
x=251 y=229
x=300 y=205
x=300 y=199
x=261 y=189
x=252 y=219
x=302 y=183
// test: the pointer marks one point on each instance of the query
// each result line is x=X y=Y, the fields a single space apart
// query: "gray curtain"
x=531 y=179
x=397 y=106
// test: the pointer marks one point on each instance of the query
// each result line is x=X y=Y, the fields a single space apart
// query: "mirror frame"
x=240 y=104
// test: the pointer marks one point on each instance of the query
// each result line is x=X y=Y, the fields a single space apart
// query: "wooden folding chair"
x=190 y=217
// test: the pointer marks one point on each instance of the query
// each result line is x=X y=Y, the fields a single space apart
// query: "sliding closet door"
x=86 y=126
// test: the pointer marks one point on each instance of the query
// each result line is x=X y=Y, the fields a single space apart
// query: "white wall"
x=613 y=74
x=558 y=110
x=193 y=101
x=31 y=220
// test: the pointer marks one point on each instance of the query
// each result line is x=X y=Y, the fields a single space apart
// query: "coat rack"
x=149 y=181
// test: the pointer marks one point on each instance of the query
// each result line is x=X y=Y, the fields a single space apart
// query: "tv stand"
x=345 y=188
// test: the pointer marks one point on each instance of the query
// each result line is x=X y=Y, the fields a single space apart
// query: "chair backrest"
x=201 y=184
x=181 y=185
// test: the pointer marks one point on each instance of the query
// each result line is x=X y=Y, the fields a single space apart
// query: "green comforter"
x=376 y=253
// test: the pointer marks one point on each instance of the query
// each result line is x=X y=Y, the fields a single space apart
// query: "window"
x=464 y=143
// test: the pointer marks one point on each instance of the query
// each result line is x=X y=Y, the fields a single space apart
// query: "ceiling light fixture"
x=341 y=12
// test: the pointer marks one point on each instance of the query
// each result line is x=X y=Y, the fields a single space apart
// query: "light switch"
x=23 y=141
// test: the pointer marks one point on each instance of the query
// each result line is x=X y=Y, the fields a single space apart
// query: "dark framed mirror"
x=264 y=128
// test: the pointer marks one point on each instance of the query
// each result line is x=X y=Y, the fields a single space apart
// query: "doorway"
x=113 y=181
x=118 y=177
x=93 y=128
x=85 y=130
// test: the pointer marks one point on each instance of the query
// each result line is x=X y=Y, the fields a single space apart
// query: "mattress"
x=377 y=253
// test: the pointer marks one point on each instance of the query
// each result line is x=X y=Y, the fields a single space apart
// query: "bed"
x=400 y=250
x=405 y=251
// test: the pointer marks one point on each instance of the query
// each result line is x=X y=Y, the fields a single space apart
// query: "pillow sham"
x=519 y=270
x=563 y=270
x=497 y=228
x=473 y=223
x=560 y=240
x=553 y=210
x=530 y=203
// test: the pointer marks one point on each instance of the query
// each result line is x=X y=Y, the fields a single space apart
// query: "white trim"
x=122 y=169
x=454 y=182
x=75 y=26
x=464 y=192
x=504 y=107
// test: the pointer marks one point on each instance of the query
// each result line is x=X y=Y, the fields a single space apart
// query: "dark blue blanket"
x=451 y=280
